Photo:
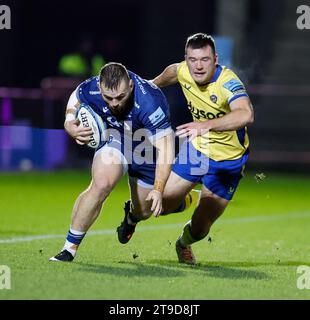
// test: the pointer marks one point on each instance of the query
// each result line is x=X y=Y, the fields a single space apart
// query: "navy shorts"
x=220 y=177
x=142 y=169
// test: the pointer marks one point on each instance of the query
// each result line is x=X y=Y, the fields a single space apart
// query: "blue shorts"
x=220 y=177
x=141 y=169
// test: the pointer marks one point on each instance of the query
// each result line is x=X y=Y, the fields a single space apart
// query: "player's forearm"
x=164 y=163
x=232 y=121
x=161 y=176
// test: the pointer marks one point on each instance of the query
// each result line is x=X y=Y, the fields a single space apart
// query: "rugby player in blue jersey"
x=132 y=108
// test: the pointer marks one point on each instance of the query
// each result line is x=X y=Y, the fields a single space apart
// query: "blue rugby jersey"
x=150 y=108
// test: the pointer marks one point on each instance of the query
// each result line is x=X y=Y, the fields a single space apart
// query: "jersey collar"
x=217 y=73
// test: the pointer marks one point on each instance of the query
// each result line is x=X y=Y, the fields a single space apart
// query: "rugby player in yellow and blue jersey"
x=217 y=147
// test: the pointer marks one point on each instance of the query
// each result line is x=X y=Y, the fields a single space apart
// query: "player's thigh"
x=109 y=165
x=218 y=189
x=210 y=207
x=212 y=201
x=139 y=193
x=177 y=188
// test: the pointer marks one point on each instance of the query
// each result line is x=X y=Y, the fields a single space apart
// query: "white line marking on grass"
x=260 y=218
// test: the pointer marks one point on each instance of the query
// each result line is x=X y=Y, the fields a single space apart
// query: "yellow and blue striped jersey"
x=212 y=101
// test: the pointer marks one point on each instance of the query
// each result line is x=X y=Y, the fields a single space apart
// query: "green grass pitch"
x=254 y=250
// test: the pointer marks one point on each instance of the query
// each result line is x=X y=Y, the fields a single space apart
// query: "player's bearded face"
x=119 y=100
x=201 y=64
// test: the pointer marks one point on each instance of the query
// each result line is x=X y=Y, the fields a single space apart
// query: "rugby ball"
x=89 y=118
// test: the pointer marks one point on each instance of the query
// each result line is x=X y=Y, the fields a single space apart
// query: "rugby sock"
x=74 y=238
x=190 y=201
x=131 y=220
x=186 y=238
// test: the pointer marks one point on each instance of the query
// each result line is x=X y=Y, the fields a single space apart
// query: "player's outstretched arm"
x=167 y=77
x=165 y=147
x=80 y=134
x=241 y=115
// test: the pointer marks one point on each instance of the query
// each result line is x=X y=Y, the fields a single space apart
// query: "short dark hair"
x=112 y=74
x=200 y=40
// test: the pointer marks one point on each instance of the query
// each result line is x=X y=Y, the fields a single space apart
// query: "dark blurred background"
x=40 y=65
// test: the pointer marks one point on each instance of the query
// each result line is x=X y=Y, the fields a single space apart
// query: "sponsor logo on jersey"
x=234 y=86
x=213 y=98
x=157 y=116
x=113 y=122
x=199 y=113
x=92 y=93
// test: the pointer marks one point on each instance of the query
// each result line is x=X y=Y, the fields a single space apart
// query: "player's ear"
x=131 y=84
x=216 y=57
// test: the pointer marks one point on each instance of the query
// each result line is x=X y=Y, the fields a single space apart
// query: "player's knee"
x=101 y=189
x=208 y=195
x=171 y=203
x=216 y=202
x=144 y=215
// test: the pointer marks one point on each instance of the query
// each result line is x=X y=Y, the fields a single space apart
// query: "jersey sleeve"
x=156 y=118
x=88 y=90
x=232 y=88
x=73 y=100
x=80 y=93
